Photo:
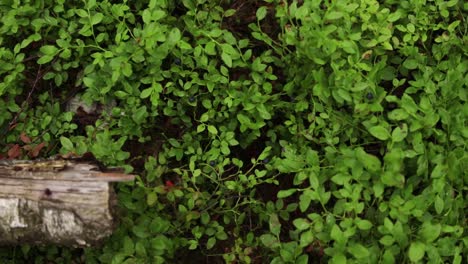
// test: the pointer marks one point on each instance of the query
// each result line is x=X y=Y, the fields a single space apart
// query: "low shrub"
x=262 y=131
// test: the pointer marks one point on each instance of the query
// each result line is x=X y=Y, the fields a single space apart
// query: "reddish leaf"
x=169 y=184
x=14 y=151
x=25 y=138
x=35 y=151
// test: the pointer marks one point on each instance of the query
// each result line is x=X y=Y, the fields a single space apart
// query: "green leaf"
x=363 y=224
x=146 y=92
x=416 y=251
x=226 y=59
x=338 y=258
x=97 y=18
x=230 y=50
x=302 y=259
x=45 y=59
x=193 y=245
x=394 y=16
x=307 y=238
x=140 y=114
x=430 y=232
x=290 y=164
x=146 y=15
x=358 y=251
x=205 y=218
x=439 y=171
x=189 y=4
x=128 y=246
x=151 y=198
x=393 y=179
x=184 y=45
x=66 y=143
x=378 y=189
x=216 y=32
x=243 y=119
x=399 y=133
x=336 y=234
x=410 y=64
x=49 y=50
x=221 y=235
x=370 y=162
x=90 y=4
x=453 y=25
x=379 y=132
x=141 y=231
x=205 y=117
x=398 y=114
x=306 y=198
x=158 y=14
x=201 y=128
x=46 y=121
x=25 y=249
x=212 y=130
x=158 y=243
x=210 y=48
x=229 y=12
x=286 y=193
x=275 y=225
x=210 y=243
x=388 y=257
x=301 y=223
x=174 y=37
x=263 y=111
x=265 y=153
x=269 y=240
x=286 y=255
x=121 y=94
x=140 y=249
x=439 y=204
x=387 y=240
x=408 y=103
x=81 y=13
x=332 y=15
x=388 y=224
x=261 y=13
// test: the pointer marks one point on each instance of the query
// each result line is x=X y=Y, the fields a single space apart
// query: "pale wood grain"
x=69 y=205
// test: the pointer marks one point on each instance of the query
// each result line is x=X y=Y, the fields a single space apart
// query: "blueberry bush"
x=299 y=131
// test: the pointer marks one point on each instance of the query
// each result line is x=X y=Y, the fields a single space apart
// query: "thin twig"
x=38 y=77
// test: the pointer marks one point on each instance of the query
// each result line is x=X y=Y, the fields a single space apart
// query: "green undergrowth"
x=261 y=131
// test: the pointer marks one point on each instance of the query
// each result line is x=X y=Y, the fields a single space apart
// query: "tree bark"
x=56 y=202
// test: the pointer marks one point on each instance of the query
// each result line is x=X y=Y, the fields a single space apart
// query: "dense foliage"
x=262 y=131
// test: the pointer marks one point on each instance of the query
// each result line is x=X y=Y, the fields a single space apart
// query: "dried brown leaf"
x=14 y=151
x=35 y=151
x=25 y=138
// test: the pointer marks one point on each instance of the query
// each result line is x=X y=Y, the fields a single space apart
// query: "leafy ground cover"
x=262 y=131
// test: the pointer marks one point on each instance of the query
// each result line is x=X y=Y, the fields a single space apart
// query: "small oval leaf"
x=379 y=132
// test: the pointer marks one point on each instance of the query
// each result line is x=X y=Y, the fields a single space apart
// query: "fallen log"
x=56 y=202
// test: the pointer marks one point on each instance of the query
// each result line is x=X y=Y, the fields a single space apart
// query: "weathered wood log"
x=56 y=202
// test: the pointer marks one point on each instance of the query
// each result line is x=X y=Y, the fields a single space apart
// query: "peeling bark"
x=71 y=205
